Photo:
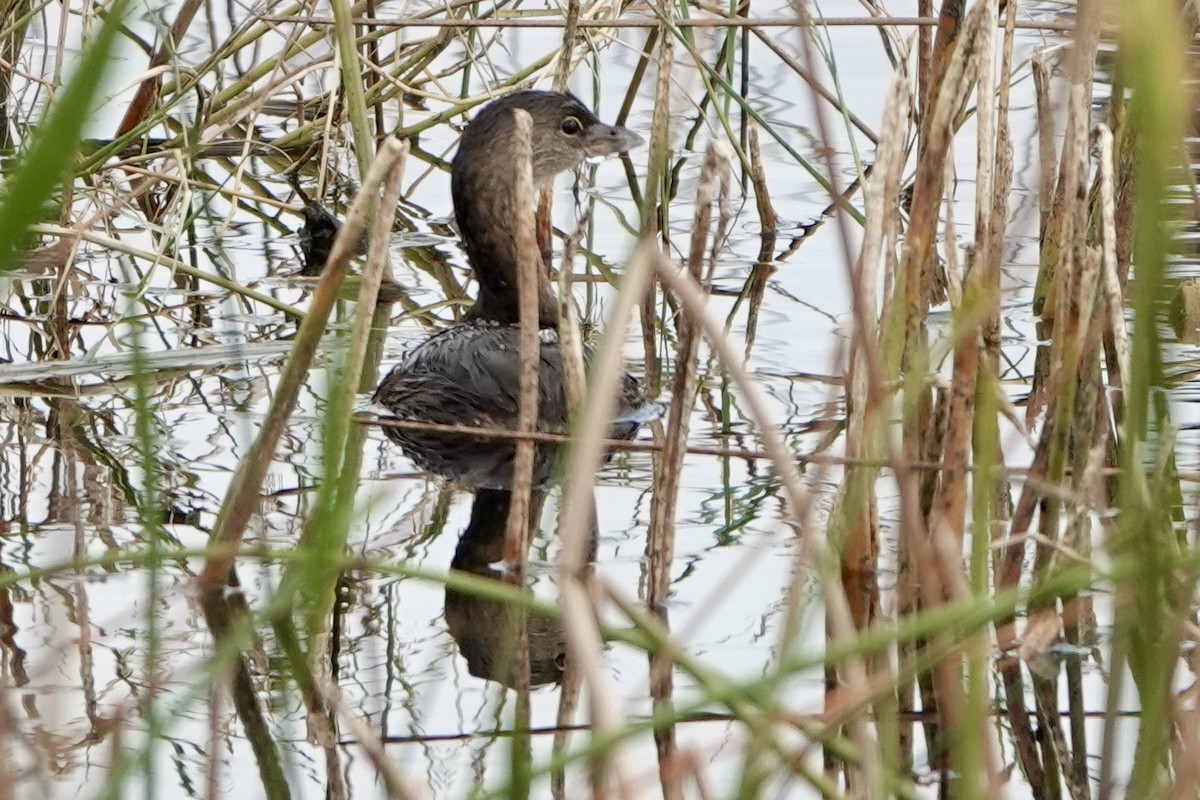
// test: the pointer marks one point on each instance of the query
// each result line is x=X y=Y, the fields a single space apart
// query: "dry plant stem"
x=1088 y=446
x=814 y=548
x=339 y=464
x=945 y=44
x=529 y=280
x=140 y=106
x=1113 y=294
x=855 y=557
x=756 y=283
x=1045 y=128
x=866 y=374
x=564 y=725
x=1070 y=273
x=859 y=536
x=660 y=542
x=393 y=780
x=923 y=21
x=855 y=506
x=862 y=303
x=768 y=219
x=75 y=234
x=517 y=532
x=1066 y=226
x=1117 y=378
x=579 y=614
x=562 y=70
x=1063 y=291
x=815 y=85
x=924 y=58
x=929 y=562
x=654 y=204
x=352 y=83
x=570 y=338
x=1073 y=222
x=938 y=130
x=221 y=612
x=570 y=342
x=1008 y=561
x=991 y=250
x=212 y=772
x=243 y=496
x=988 y=480
x=974 y=761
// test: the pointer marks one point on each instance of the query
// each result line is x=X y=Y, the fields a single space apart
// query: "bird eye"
x=571 y=126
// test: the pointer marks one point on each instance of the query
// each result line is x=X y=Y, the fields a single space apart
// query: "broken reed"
x=1081 y=438
x=1084 y=448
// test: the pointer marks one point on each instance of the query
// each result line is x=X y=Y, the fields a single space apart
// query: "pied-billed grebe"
x=469 y=374
x=484 y=628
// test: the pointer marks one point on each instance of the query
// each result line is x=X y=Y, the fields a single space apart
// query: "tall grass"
x=1009 y=558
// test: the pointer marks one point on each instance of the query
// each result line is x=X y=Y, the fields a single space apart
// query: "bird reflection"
x=485 y=629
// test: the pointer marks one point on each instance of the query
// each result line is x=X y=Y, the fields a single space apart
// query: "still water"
x=73 y=644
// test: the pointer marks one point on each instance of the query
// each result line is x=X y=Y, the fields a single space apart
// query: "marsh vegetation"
x=918 y=520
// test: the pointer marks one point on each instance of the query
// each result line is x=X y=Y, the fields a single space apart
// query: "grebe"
x=469 y=374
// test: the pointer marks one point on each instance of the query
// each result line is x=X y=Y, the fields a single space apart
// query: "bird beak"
x=608 y=140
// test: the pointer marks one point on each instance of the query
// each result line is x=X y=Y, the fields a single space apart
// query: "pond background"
x=74 y=644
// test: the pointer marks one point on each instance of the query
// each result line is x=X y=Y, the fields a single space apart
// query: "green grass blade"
x=47 y=160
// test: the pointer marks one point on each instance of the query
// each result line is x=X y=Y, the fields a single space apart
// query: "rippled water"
x=73 y=645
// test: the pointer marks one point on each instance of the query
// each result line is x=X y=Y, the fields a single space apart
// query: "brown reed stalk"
x=1116 y=336
x=854 y=535
x=768 y=219
x=579 y=594
x=214 y=708
x=1045 y=138
x=814 y=548
x=530 y=278
x=243 y=495
x=923 y=22
x=224 y=614
x=1092 y=448
x=938 y=568
x=322 y=537
x=143 y=100
x=517 y=533
x=1090 y=437
x=570 y=342
x=991 y=492
x=924 y=59
x=242 y=499
x=989 y=251
x=935 y=68
x=972 y=757
x=655 y=208
x=1067 y=292
x=562 y=70
x=854 y=518
x=1117 y=175
x=660 y=538
x=1009 y=559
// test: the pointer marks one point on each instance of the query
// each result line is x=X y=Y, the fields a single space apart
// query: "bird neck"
x=486 y=208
